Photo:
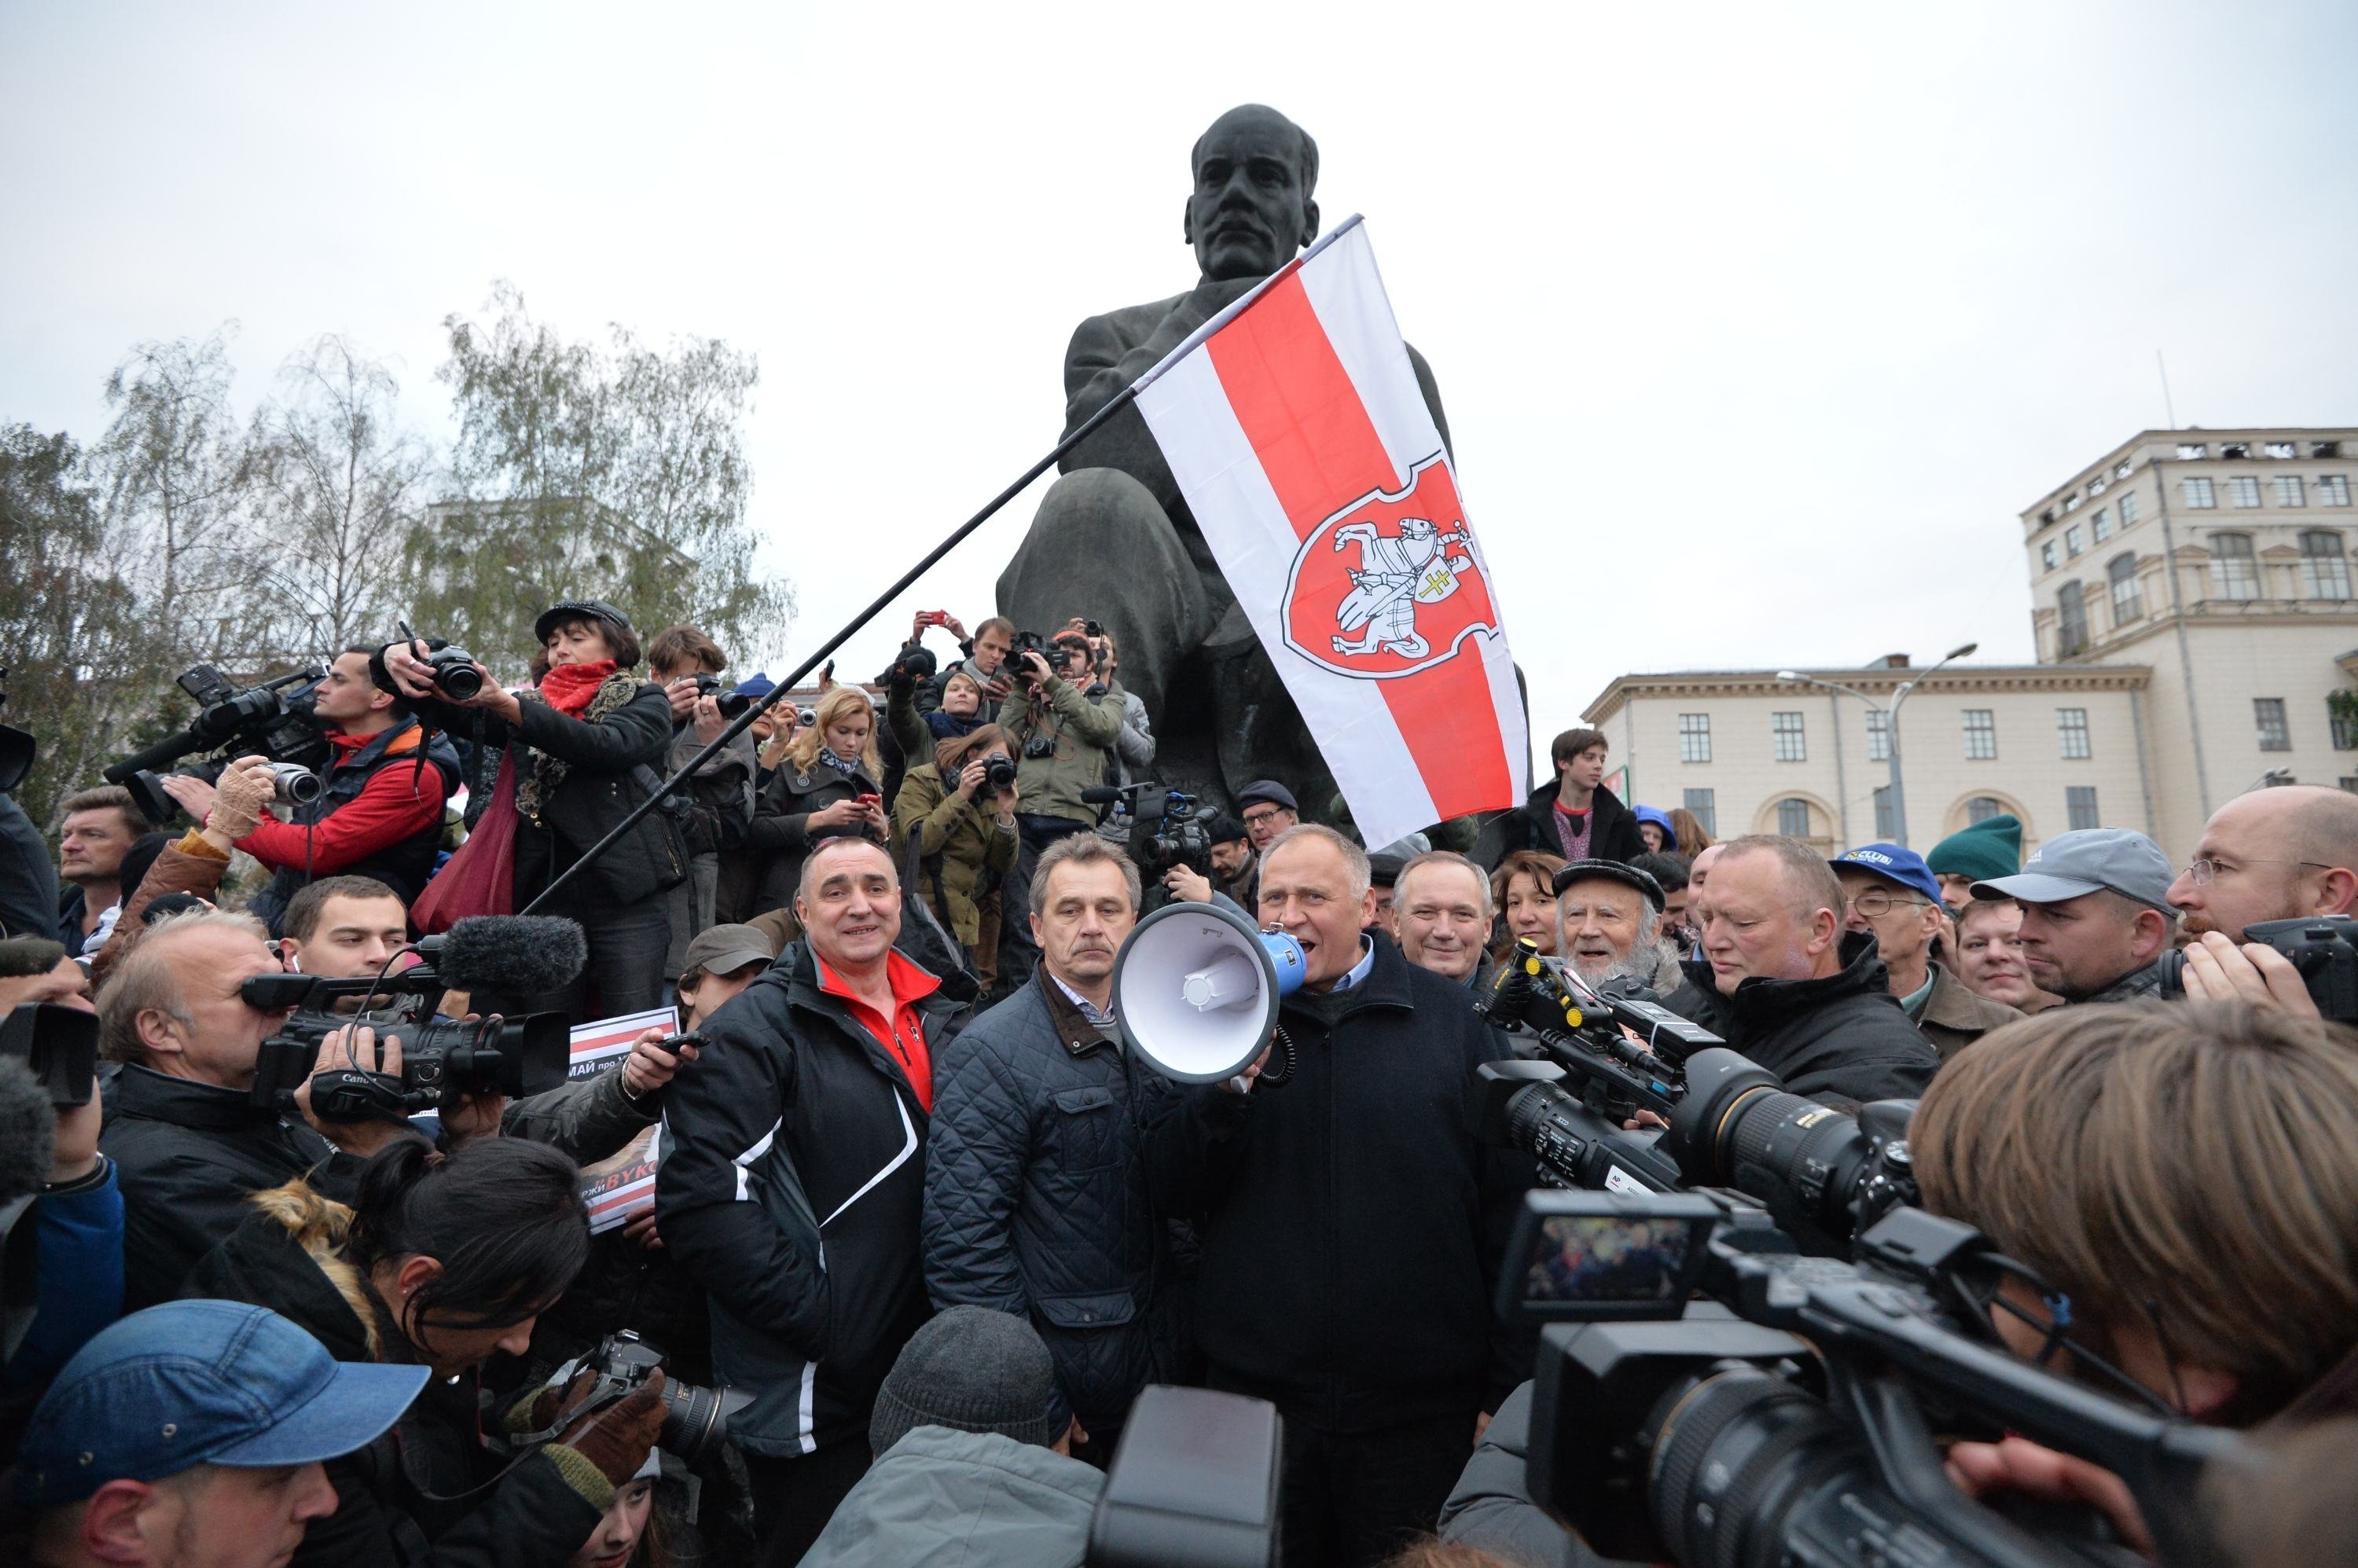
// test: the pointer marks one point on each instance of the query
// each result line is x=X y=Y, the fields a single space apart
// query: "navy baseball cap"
x=1892 y=863
x=200 y=1382
x=2075 y=864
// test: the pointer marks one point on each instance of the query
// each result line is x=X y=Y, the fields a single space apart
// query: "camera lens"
x=1737 y=1128
x=458 y=681
x=734 y=704
x=297 y=785
x=1735 y=1456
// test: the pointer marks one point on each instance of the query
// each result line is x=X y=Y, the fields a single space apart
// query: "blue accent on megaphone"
x=1286 y=954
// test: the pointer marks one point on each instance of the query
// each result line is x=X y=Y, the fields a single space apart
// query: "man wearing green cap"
x=1983 y=852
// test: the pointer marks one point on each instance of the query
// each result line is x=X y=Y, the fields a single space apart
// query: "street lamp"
x=1891 y=726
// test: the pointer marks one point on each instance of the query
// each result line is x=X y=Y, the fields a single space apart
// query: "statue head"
x=1251 y=209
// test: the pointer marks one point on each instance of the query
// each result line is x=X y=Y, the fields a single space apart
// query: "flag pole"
x=1120 y=401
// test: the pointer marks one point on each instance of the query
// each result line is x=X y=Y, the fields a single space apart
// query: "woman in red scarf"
x=580 y=752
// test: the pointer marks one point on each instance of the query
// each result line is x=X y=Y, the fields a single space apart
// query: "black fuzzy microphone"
x=509 y=955
x=28 y=1129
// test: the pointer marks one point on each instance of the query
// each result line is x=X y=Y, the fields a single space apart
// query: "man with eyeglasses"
x=1892 y=895
x=2097 y=915
x=2273 y=854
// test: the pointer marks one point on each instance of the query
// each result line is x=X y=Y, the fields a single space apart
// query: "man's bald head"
x=2273 y=854
x=1251 y=208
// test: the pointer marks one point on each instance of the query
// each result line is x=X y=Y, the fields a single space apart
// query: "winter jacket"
x=719 y=794
x=1490 y=1509
x=928 y=695
x=403 y=863
x=76 y=1257
x=2135 y=985
x=1035 y=1194
x=1352 y=1225
x=29 y=883
x=964 y=1500
x=1843 y=1036
x=579 y=777
x=188 y=1156
x=792 y=1191
x=1612 y=829
x=952 y=851
x=1954 y=1017
x=780 y=812
x=190 y=866
x=1079 y=726
x=397 y=1499
x=584 y=1120
x=1134 y=747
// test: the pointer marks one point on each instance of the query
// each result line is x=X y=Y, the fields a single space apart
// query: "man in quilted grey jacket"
x=1035 y=1188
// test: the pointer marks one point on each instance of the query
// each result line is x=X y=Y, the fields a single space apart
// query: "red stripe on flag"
x=1302 y=416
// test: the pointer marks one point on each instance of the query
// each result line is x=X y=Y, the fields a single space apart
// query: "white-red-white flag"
x=1295 y=425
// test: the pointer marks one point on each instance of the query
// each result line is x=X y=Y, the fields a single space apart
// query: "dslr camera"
x=273 y=720
x=1791 y=1418
x=2324 y=948
x=1059 y=655
x=998 y=774
x=451 y=668
x=734 y=703
x=694 y=1418
x=909 y=665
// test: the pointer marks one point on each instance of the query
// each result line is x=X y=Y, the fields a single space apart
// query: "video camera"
x=1167 y=828
x=58 y=1045
x=1792 y=1418
x=273 y=720
x=1059 y=655
x=2324 y=948
x=440 y=1059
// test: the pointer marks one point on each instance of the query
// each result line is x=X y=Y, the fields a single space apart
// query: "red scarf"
x=569 y=688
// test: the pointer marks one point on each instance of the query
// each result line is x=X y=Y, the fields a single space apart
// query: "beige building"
x=2197 y=632
x=1750 y=752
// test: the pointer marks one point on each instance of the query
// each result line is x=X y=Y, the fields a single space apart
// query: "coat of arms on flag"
x=1415 y=592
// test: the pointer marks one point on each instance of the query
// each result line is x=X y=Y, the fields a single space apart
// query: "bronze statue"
x=1114 y=539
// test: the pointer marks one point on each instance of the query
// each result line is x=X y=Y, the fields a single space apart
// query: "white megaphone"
x=1196 y=989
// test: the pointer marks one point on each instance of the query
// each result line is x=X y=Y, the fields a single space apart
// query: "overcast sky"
x=1755 y=325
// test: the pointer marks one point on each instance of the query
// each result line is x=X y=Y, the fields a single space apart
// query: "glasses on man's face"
x=1875 y=903
x=2207 y=871
x=1261 y=818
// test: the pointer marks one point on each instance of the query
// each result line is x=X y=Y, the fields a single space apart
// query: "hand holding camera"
x=353 y=1098
x=654 y=1060
x=2217 y=969
x=447 y=675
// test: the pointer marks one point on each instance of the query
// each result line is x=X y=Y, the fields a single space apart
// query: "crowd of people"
x=927 y=1217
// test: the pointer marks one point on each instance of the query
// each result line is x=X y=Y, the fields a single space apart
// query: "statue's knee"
x=1091 y=503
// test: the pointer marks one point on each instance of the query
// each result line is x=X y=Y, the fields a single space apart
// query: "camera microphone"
x=1099 y=795
x=28 y=1127
x=512 y=955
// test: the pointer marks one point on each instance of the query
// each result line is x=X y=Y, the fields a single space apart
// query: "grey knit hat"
x=972 y=1369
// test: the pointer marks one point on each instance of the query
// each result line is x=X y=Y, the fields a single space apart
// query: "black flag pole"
x=1120 y=401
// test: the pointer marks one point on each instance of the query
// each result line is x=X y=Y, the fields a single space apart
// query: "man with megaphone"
x=1352 y=1225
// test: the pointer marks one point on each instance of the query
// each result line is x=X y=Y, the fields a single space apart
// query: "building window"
x=2123 y=471
x=1981 y=735
x=2243 y=491
x=2104 y=525
x=1694 y=739
x=2343 y=719
x=2128 y=510
x=2268 y=714
x=2325 y=449
x=1704 y=803
x=2072 y=501
x=2071 y=725
x=2234 y=573
x=2199 y=494
x=2280 y=450
x=1887 y=821
x=2325 y=567
x=1982 y=807
x=2080 y=806
x=2072 y=546
x=2129 y=604
x=1878 y=735
x=2098 y=485
x=2235 y=452
x=2070 y=620
x=2333 y=490
x=2290 y=491
x=1787 y=729
x=1794 y=818
x=2047 y=554
x=2188 y=451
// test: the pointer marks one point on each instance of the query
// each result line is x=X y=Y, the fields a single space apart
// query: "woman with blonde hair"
x=826 y=786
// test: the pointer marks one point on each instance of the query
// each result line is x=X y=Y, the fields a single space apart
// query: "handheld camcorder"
x=58 y=1045
x=271 y=719
x=441 y=1059
x=2324 y=948
x=1791 y=1417
x=1059 y=655
x=1167 y=828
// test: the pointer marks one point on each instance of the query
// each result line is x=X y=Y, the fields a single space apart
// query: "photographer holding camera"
x=1064 y=724
x=829 y=786
x=2286 y=853
x=581 y=747
x=954 y=840
x=687 y=664
x=379 y=812
x=441 y=1261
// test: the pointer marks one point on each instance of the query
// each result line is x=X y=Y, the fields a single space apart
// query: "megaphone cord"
x=1286 y=1061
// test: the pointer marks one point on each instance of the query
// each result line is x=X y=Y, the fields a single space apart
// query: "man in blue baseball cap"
x=1892 y=895
x=190 y=1436
x=2097 y=915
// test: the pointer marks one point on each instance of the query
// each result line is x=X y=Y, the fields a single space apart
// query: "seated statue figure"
x=1114 y=540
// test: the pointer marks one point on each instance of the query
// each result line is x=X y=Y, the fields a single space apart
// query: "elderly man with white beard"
x=1609 y=927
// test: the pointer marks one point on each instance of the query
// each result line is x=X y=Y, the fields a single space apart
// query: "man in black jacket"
x=1781 y=980
x=1353 y=1227
x=1574 y=817
x=792 y=1185
x=189 y=1145
x=1035 y=1185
